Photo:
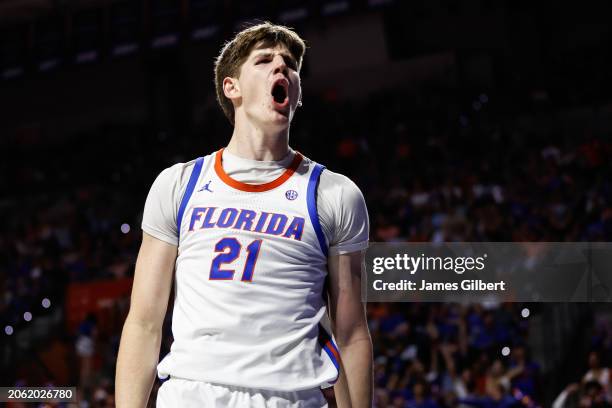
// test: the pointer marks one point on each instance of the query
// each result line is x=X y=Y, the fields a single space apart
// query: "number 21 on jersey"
x=229 y=250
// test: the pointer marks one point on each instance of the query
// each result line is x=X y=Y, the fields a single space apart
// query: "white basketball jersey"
x=250 y=274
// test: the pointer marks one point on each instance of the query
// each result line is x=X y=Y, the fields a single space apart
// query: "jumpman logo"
x=205 y=188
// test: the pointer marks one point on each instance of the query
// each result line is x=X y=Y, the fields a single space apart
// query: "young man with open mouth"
x=267 y=248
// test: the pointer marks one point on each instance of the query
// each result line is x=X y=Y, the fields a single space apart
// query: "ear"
x=231 y=88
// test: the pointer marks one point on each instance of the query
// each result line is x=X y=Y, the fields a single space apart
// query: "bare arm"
x=351 y=330
x=142 y=331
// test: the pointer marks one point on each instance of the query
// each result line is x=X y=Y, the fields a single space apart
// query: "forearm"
x=357 y=363
x=136 y=362
x=341 y=392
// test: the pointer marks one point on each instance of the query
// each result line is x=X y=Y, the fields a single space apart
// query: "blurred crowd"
x=451 y=355
x=593 y=388
x=437 y=167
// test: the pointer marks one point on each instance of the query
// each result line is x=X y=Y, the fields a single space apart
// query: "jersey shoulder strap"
x=193 y=179
x=311 y=202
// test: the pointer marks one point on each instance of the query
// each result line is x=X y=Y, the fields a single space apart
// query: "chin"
x=275 y=124
x=280 y=120
x=270 y=121
x=279 y=125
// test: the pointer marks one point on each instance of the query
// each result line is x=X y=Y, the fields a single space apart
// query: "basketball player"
x=253 y=231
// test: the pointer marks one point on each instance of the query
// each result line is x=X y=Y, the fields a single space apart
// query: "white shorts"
x=177 y=392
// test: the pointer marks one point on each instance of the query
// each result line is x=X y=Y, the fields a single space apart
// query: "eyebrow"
x=263 y=54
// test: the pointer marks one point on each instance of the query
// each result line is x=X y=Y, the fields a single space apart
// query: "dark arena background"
x=459 y=120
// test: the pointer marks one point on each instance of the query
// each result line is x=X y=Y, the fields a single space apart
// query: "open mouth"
x=280 y=93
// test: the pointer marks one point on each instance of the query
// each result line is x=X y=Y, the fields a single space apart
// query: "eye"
x=262 y=61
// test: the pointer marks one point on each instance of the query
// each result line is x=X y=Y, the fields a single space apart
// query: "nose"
x=280 y=66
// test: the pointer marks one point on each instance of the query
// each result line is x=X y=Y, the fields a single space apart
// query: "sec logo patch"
x=291 y=195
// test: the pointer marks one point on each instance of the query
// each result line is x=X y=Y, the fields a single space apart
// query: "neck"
x=252 y=142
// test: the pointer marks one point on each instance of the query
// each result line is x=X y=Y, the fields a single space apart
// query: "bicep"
x=346 y=310
x=152 y=281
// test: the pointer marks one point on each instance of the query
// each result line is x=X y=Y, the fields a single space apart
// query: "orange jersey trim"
x=255 y=188
x=331 y=348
